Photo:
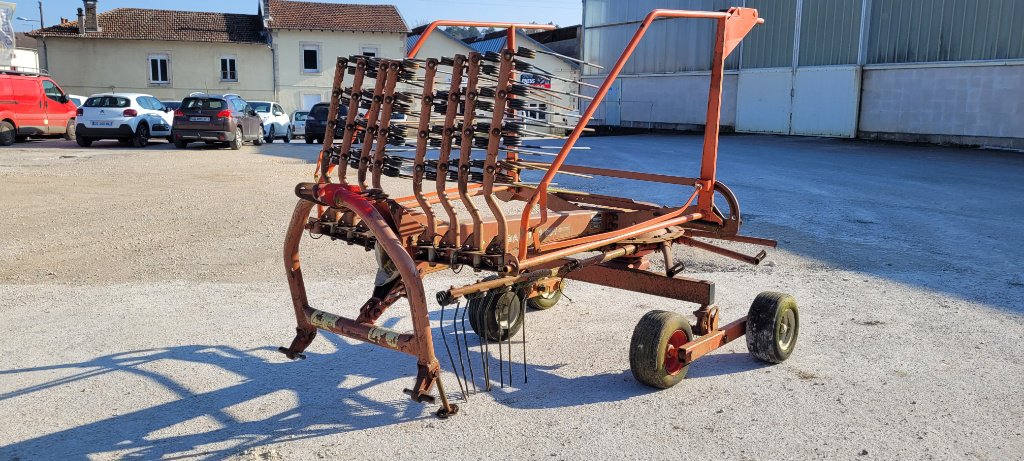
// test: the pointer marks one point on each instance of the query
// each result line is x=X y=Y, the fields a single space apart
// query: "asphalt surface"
x=142 y=297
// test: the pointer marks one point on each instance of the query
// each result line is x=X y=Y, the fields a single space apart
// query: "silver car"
x=299 y=122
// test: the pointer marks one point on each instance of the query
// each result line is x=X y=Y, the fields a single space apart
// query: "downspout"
x=862 y=59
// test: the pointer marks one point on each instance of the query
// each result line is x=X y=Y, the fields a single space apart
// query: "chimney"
x=91 y=23
x=81 y=22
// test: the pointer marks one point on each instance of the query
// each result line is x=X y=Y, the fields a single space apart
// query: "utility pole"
x=44 y=64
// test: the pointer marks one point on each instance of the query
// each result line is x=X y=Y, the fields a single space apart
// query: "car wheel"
x=270 y=137
x=288 y=136
x=83 y=141
x=141 y=138
x=69 y=131
x=180 y=144
x=308 y=139
x=237 y=143
x=258 y=140
x=7 y=135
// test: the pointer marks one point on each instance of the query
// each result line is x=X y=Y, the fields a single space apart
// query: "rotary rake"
x=529 y=236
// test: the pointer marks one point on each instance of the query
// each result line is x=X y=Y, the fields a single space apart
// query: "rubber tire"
x=258 y=141
x=764 y=326
x=237 y=143
x=540 y=303
x=308 y=139
x=69 y=131
x=141 y=137
x=180 y=144
x=648 y=344
x=270 y=137
x=288 y=136
x=483 y=319
x=7 y=134
x=83 y=141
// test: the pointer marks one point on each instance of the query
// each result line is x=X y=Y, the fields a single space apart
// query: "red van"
x=33 y=105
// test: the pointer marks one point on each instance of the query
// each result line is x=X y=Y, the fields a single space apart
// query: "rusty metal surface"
x=641 y=281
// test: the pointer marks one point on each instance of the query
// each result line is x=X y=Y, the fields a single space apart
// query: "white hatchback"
x=276 y=124
x=299 y=122
x=126 y=117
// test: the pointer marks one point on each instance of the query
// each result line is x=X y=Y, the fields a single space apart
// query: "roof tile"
x=184 y=26
x=335 y=16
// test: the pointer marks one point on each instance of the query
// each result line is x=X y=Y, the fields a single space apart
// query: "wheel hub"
x=675 y=356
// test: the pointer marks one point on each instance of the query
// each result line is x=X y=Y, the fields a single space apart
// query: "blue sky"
x=415 y=12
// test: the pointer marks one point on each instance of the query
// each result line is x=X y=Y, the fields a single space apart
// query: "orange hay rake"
x=557 y=234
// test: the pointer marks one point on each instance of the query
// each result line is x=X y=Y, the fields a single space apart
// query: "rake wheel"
x=655 y=349
x=496 y=316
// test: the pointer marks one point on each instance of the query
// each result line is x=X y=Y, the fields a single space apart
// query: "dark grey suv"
x=213 y=118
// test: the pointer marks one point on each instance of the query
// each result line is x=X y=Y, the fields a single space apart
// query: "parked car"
x=213 y=118
x=172 y=105
x=77 y=99
x=276 y=123
x=299 y=122
x=33 y=105
x=126 y=117
x=316 y=122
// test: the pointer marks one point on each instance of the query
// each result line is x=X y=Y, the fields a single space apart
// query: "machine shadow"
x=326 y=403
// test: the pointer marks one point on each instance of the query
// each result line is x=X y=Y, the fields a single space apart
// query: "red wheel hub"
x=674 y=353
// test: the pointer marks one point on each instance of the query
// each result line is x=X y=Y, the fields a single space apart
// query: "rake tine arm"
x=385 y=122
x=419 y=167
x=451 y=238
x=371 y=125
x=466 y=150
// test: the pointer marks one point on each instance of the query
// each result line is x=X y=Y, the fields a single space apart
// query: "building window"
x=311 y=58
x=369 y=50
x=533 y=111
x=158 y=68
x=228 y=69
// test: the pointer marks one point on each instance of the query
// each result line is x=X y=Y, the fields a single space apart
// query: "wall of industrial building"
x=911 y=70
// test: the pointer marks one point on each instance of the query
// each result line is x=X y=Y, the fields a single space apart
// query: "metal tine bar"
x=350 y=126
x=391 y=80
x=324 y=162
x=451 y=358
x=526 y=378
x=542 y=135
x=467 y=149
x=554 y=91
x=451 y=237
x=458 y=347
x=485 y=355
x=371 y=127
x=501 y=360
x=469 y=356
x=533 y=69
x=419 y=168
x=527 y=166
x=539 y=98
x=508 y=341
x=567 y=58
x=500 y=241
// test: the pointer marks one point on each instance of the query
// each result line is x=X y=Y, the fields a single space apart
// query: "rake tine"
x=485 y=357
x=501 y=359
x=526 y=378
x=451 y=358
x=469 y=358
x=458 y=345
x=508 y=340
x=567 y=58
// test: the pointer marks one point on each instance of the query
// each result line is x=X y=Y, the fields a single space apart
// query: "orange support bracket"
x=733 y=25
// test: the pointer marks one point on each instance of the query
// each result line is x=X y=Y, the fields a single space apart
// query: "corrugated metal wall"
x=771 y=44
x=669 y=46
x=830 y=32
x=945 y=30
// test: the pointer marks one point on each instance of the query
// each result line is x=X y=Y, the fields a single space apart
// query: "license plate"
x=99 y=123
x=199 y=119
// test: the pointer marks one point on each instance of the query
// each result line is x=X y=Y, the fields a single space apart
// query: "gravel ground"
x=143 y=298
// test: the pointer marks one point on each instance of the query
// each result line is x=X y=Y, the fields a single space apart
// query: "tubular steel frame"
x=412 y=241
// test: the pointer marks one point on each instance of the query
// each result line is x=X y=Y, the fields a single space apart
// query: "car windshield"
x=203 y=103
x=319 y=112
x=301 y=116
x=107 y=101
x=260 y=106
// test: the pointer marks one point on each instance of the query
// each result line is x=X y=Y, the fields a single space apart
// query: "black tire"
x=258 y=140
x=7 y=133
x=654 y=349
x=773 y=325
x=288 y=136
x=69 y=131
x=83 y=141
x=496 y=316
x=141 y=136
x=180 y=144
x=308 y=139
x=237 y=143
x=545 y=301
x=270 y=136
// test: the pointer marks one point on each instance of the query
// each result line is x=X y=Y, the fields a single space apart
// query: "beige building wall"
x=296 y=86
x=90 y=66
